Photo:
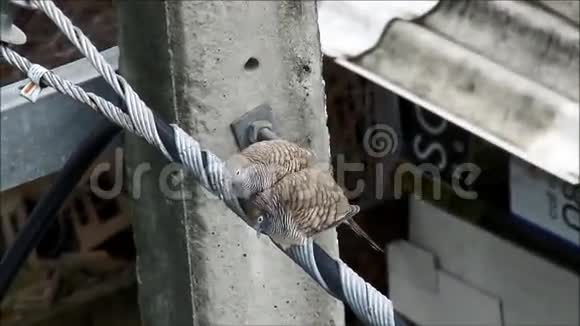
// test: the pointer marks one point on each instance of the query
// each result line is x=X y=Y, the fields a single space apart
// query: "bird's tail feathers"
x=354 y=209
x=361 y=233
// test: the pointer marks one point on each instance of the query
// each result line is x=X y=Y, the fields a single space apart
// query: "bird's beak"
x=258 y=230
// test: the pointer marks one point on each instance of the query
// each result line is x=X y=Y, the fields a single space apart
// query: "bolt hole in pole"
x=251 y=64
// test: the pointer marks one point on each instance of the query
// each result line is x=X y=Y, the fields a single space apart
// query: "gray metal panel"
x=508 y=71
x=37 y=138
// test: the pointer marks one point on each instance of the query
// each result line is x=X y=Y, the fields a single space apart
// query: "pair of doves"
x=292 y=200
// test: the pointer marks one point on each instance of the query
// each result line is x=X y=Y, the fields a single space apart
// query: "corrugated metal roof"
x=567 y=8
x=508 y=71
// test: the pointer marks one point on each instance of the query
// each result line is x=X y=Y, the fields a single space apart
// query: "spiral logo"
x=380 y=140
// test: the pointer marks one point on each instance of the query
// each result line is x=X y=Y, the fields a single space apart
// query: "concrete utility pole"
x=203 y=64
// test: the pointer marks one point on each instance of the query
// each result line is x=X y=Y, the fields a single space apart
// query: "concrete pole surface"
x=202 y=64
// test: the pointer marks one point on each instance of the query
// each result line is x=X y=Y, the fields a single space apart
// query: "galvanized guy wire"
x=333 y=275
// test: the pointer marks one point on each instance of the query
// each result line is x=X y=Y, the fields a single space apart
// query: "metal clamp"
x=254 y=126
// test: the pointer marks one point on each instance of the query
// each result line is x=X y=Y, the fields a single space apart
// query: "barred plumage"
x=298 y=200
x=262 y=164
x=301 y=205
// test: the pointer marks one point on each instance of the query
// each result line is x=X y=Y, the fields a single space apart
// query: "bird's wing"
x=315 y=200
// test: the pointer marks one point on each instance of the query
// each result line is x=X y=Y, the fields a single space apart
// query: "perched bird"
x=262 y=164
x=302 y=204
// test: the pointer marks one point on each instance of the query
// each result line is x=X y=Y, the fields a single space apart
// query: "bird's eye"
x=260 y=219
x=237 y=172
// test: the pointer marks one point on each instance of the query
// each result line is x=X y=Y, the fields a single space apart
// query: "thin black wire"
x=44 y=213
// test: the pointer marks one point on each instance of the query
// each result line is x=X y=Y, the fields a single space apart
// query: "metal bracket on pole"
x=255 y=125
